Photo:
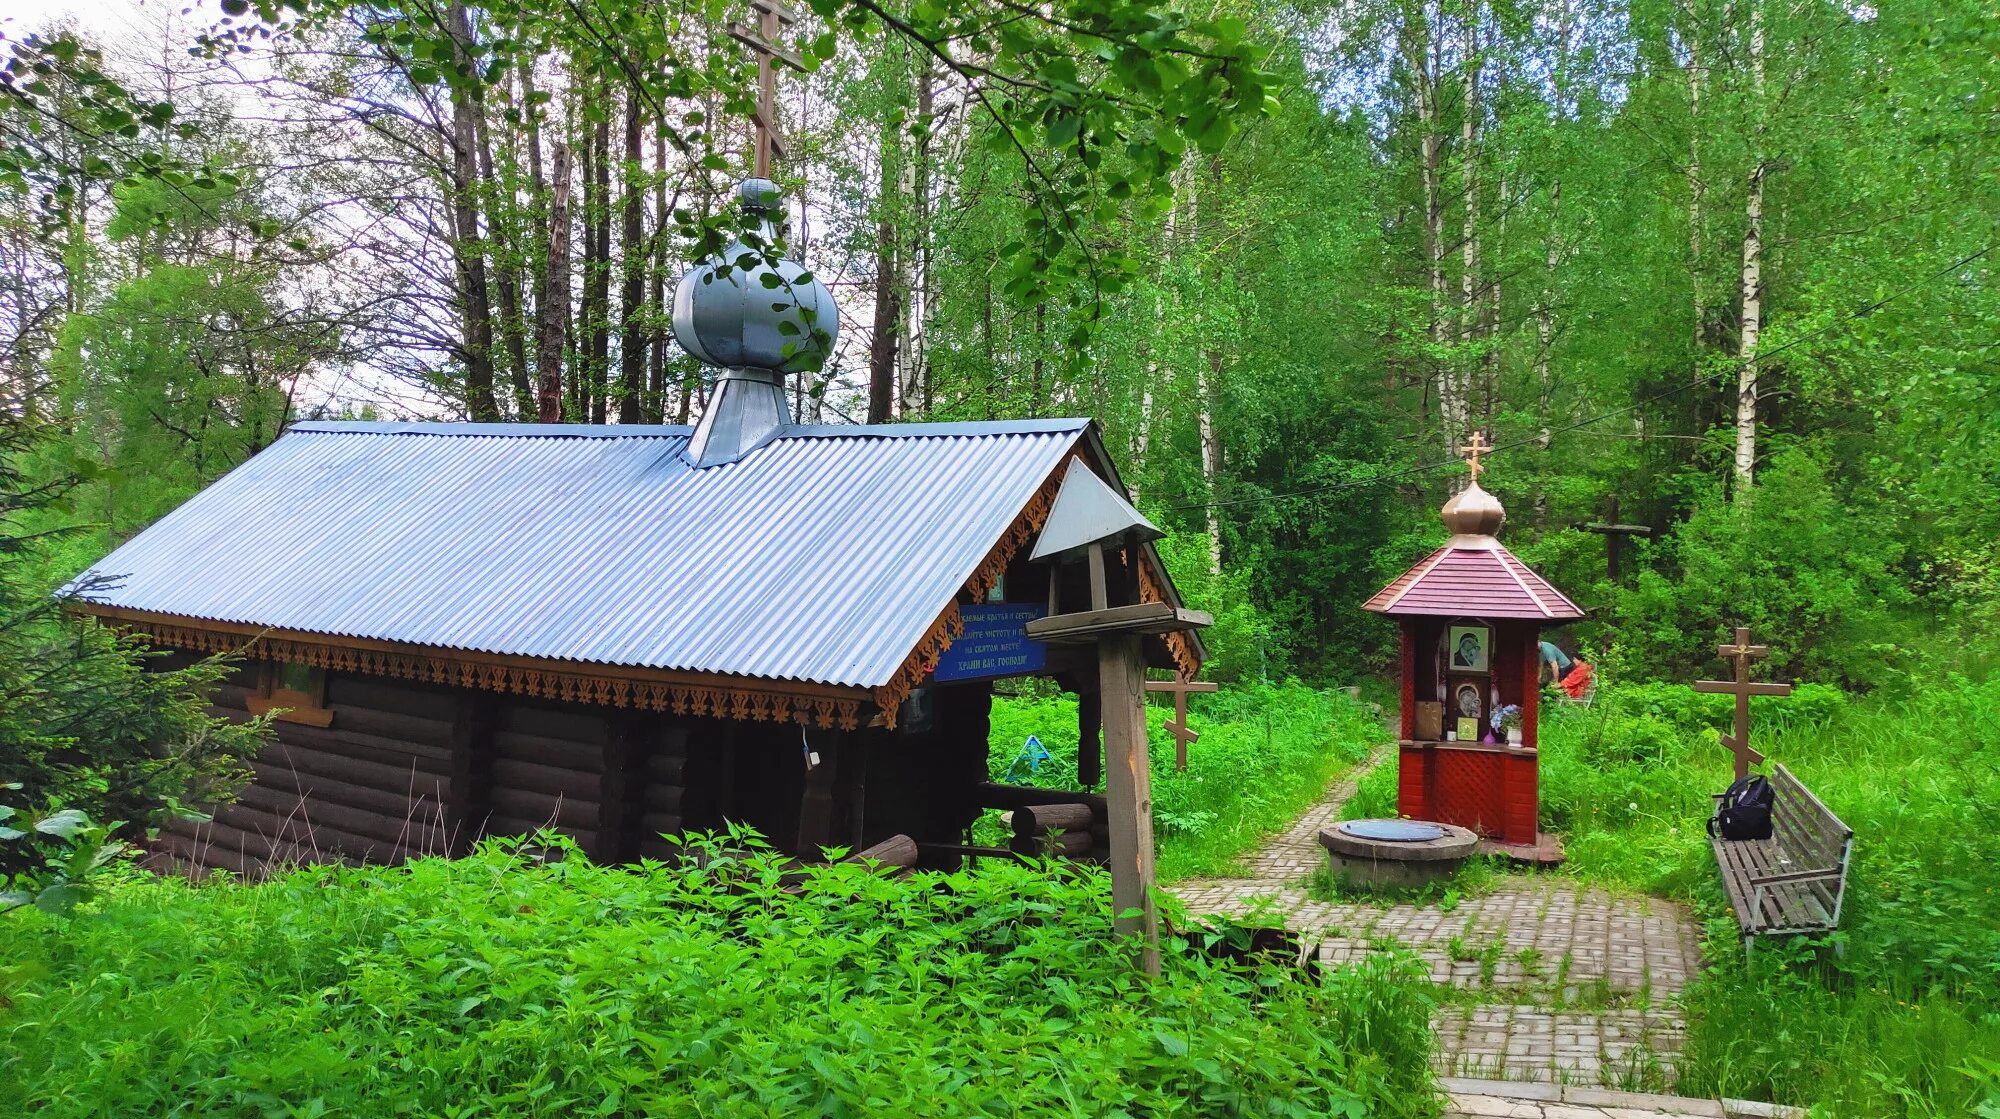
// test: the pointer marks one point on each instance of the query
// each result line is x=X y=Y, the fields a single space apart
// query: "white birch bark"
x=1468 y=279
x=1753 y=270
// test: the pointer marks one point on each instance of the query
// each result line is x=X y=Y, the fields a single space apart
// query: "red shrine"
x=1471 y=616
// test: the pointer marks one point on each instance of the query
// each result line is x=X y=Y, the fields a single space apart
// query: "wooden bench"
x=1794 y=881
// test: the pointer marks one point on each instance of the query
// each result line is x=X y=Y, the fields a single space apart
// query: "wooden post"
x=1121 y=673
x=816 y=800
x=1089 y=740
x=851 y=790
x=618 y=785
x=471 y=770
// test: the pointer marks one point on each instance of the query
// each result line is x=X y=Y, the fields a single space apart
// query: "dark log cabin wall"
x=407 y=769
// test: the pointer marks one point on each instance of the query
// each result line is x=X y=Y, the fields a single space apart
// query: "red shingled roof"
x=1486 y=582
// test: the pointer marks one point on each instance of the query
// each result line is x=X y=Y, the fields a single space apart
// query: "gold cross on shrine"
x=1742 y=653
x=772 y=18
x=1472 y=451
x=1184 y=735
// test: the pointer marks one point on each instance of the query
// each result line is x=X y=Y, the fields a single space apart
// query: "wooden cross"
x=1472 y=451
x=1614 y=535
x=1184 y=735
x=772 y=18
x=1742 y=653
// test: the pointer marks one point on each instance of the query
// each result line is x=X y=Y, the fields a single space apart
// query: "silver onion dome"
x=736 y=311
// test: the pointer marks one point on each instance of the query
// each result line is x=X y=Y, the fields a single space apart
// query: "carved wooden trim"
x=724 y=697
x=923 y=660
x=1180 y=645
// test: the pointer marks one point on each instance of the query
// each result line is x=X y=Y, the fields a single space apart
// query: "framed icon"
x=1469 y=649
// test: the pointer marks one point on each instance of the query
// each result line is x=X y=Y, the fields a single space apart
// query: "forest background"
x=1726 y=264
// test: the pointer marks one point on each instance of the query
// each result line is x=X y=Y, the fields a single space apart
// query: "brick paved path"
x=1547 y=980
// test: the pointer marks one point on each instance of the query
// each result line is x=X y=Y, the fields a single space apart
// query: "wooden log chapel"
x=623 y=632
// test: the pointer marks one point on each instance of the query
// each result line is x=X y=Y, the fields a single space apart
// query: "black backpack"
x=1744 y=812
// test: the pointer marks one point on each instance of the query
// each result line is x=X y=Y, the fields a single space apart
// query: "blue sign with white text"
x=995 y=643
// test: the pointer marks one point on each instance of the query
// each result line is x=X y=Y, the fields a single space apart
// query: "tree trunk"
x=657 y=376
x=888 y=310
x=1753 y=270
x=631 y=243
x=1697 y=189
x=1468 y=280
x=597 y=269
x=915 y=388
x=1207 y=379
x=468 y=246
x=505 y=237
x=1422 y=57
x=552 y=319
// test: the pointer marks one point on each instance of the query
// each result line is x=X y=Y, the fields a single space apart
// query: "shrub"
x=1800 y=564
x=84 y=726
x=504 y=984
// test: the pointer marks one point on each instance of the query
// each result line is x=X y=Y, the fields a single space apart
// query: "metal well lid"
x=1393 y=831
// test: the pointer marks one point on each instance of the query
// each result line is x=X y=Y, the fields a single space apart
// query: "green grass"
x=505 y=985
x=1267 y=752
x=1904 y=1019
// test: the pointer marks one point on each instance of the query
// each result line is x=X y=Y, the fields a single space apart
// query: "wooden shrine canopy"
x=818 y=580
x=1473 y=575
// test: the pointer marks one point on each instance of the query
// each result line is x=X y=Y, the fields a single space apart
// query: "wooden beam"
x=468 y=802
x=816 y=799
x=1142 y=617
x=1089 y=739
x=1129 y=796
x=1728 y=687
x=749 y=38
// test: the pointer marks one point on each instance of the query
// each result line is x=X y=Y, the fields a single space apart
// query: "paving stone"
x=1582 y=943
x=1638 y=1103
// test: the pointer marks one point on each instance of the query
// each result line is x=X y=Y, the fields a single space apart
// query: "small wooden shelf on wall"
x=1474 y=747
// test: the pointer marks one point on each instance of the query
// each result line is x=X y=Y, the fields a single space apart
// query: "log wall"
x=374 y=786
x=406 y=770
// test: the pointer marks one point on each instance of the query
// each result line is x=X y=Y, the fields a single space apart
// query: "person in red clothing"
x=1572 y=674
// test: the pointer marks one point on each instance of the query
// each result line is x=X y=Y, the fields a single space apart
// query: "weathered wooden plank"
x=427 y=731
x=584 y=757
x=566 y=723
x=895 y=851
x=196 y=854
x=949 y=856
x=424 y=801
x=417 y=835
x=356 y=771
x=499 y=824
x=529 y=804
x=654 y=824
x=662 y=798
x=994 y=795
x=1035 y=819
x=508 y=773
x=310 y=833
x=383 y=693
x=367 y=747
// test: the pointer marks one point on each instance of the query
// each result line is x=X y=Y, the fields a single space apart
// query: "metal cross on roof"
x=772 y=18
x=1184 y=735
x=1472 y=451
x=1742 y=653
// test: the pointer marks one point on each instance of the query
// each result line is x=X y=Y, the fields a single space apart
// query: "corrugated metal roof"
x=823 y=556
x=1486 y=581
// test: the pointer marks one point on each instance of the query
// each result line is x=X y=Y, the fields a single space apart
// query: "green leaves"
x=738 y=985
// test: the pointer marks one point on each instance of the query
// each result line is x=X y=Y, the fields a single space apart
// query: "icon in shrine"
x=1471 y=616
